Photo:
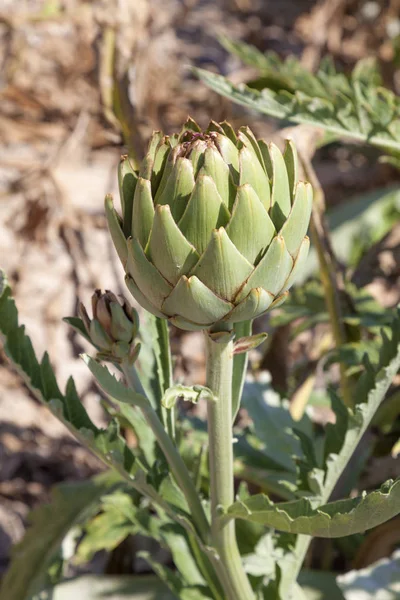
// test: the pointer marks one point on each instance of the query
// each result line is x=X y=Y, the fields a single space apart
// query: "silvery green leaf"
x=335 y=519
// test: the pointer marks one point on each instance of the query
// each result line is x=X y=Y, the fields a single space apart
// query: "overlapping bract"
x=213 y=227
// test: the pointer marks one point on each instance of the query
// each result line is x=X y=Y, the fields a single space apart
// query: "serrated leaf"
x=70 y=504
x=105 y=532
x=349 y=107
x=120 y=516
x=336 y=519
x=129 y=403
x=187 y=393
x=113 y=386
x=108 y=445
x=369 y=392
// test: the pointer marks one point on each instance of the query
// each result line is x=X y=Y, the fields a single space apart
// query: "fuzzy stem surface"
x=219 y=380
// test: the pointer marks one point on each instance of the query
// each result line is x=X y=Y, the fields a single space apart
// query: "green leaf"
x=120 y=516
x=175 y=539
x=336 y=519
x=345 y=107
x=369 y=392
x=70 y=504
x=112 y=386
x=273 y=425
x=108 y=445
x=188 y=393
x=148 y=363
x=154 y=365
x=336 y=433
x=132 y=417
x=105 y=531
x=307 y=303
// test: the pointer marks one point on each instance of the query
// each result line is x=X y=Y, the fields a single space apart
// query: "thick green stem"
x=174 y=459
x=219 y=380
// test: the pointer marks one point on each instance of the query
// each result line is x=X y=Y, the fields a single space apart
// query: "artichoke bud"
x=217 y=233
x=114 y=327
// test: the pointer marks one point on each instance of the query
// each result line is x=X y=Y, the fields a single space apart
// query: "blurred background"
x=82 y=83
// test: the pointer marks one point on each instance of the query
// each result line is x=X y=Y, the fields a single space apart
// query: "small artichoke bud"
x=113 y=328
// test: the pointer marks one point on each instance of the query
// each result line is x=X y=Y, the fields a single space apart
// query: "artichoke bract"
x=213 y=227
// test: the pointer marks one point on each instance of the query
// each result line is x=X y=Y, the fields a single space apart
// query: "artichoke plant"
x=214 y=225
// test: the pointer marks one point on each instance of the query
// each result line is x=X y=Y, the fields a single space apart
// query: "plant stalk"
x=219 y=380
x=174 y=459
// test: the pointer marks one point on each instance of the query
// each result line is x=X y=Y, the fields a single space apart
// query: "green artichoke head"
x=213 y=227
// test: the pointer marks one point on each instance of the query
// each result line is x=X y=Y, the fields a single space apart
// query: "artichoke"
x=113 y=328
x=214 y=225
